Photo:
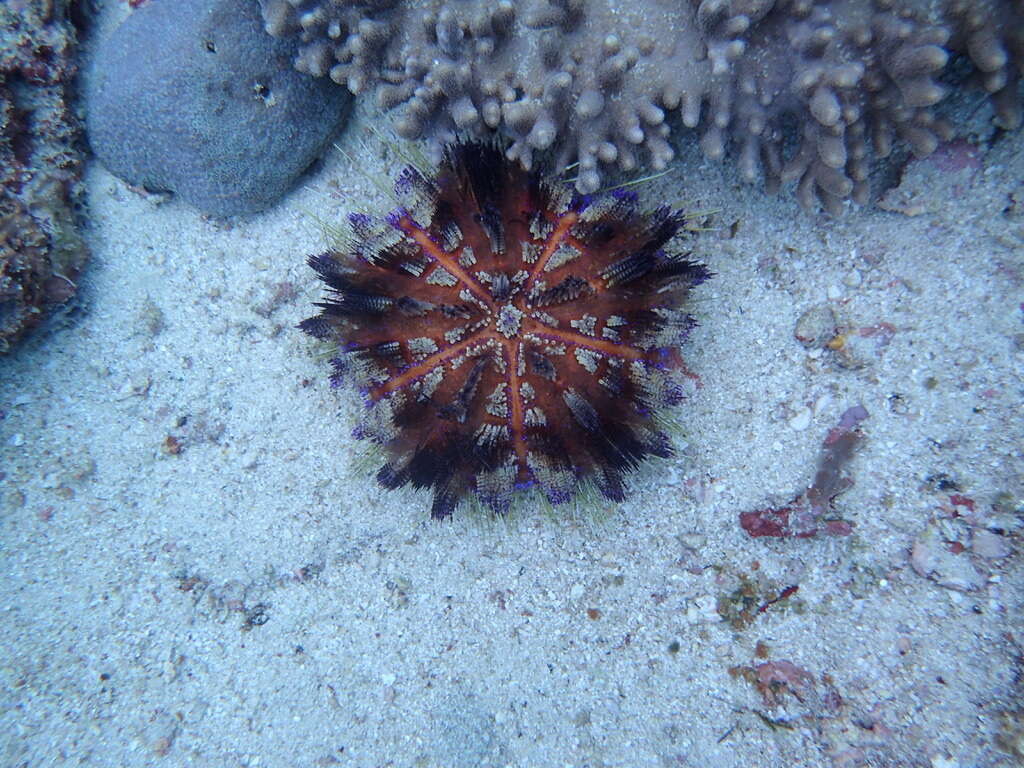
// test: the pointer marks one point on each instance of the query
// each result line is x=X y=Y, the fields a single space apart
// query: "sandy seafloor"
x=255 y=599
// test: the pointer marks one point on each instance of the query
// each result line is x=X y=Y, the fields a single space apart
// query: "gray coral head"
x=192 y=97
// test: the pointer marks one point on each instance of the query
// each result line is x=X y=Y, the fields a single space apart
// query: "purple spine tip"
x=580 y=203
x=558 y=496
x=405 y=180
x=395 y=216
x=360 y=222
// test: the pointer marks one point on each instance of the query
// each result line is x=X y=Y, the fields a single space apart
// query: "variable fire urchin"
x=506 y=333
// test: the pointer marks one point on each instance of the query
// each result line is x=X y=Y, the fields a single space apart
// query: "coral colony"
x=508 y=334
x=804 y=91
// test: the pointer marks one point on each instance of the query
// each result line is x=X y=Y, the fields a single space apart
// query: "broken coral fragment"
x=947 y=564
x=805 y=515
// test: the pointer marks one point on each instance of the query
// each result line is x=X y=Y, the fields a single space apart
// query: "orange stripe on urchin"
x=506 y=333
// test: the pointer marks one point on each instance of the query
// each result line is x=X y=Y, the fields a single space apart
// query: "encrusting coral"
x=506 y=333
x=805 y=90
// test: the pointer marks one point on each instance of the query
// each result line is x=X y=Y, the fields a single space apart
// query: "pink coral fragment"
x=802 y=517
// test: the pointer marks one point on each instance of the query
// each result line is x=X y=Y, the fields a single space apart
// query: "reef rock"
x=192 y=97
x=802 y=90
x=41 y=253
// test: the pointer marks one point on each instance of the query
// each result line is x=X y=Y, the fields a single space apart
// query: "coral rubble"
x=802 y=90
x=507 y=335
x=41 y=252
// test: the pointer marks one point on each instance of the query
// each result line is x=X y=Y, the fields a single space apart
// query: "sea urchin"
x=506 y=333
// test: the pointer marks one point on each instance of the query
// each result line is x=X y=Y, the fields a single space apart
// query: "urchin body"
x=507 y=334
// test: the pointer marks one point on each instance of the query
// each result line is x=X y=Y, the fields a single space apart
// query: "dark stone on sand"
x=194 y=97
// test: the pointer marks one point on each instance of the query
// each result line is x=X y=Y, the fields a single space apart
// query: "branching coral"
x=991 y=34
x=805 y=90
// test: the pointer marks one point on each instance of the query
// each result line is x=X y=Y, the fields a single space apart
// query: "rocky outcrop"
x=41 y=252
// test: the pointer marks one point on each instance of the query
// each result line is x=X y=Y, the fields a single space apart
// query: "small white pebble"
x=137 y=386
x=801 y=420
x=16 y=440
x=703 y=609
x=990 y=545
x=822 y=404
x=693 y=540
x=853 y=278
x=834 y=292
x=576 y=592
x=388 y=678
